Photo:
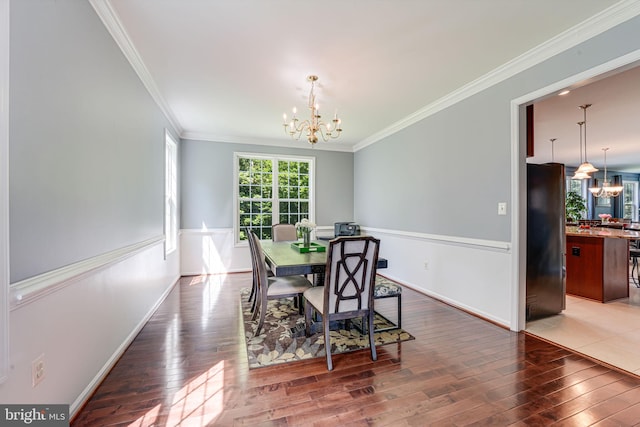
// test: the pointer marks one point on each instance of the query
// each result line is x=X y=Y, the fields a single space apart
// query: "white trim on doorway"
x=518 y=183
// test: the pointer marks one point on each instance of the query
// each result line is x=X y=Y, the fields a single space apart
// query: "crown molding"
x=591 y=27
x=112 y=22
x=287 y=143
x=595 y=25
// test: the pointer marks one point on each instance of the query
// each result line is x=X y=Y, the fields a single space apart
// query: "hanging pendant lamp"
x=586 y=167
x=580 y=174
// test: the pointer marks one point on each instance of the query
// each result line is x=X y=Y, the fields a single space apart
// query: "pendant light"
x=586 y=167
x=580 y=174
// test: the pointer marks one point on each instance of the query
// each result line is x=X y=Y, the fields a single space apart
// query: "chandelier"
x=311 y=127
x=585 y=167
x=607 y=190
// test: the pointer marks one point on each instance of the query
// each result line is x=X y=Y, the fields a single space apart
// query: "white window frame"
x=170 y=194
x=636 y=202
x=583 y=187
x=275 y=199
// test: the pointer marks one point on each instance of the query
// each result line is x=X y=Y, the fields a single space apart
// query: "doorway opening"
x=622 y=315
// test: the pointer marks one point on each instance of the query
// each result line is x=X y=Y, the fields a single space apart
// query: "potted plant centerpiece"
x=305 y=227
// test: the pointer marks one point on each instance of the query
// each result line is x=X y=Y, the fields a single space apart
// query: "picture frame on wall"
x=603 y=201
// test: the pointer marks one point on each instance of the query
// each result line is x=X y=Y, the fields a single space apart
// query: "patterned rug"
x=282 y=338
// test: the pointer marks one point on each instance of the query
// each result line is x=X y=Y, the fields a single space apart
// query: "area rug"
x=283 y=340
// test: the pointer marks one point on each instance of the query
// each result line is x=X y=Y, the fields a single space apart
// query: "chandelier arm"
x=296 y=128
x=321 y=129
x=303 y=125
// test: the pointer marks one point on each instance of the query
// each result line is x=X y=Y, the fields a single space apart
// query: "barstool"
x=634 y=254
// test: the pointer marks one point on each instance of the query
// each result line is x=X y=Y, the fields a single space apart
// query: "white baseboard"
x=100 y=376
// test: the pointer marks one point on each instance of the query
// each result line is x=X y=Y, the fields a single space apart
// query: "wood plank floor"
x=188 y=367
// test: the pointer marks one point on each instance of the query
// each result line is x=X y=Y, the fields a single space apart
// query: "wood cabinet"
x=597 y=267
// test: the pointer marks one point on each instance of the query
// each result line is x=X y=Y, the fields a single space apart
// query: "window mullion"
x=275 y=192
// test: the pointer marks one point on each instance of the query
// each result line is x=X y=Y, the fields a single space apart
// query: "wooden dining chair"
x=272 y=287
x=347 y=293
x=254 y=285
x=284 y=232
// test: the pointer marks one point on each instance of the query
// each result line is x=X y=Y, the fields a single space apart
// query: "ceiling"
x=613 y=121
x=227 y=70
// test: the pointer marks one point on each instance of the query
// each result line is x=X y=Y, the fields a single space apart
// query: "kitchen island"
x=597 y=262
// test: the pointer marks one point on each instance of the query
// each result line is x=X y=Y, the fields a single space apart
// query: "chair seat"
x=315 y=296
x=287 y=285
x=386 y=288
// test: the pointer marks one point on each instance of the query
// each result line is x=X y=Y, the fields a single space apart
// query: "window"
x=271 y=190
x=576 y=186
x=630 y=200
x=170 y=195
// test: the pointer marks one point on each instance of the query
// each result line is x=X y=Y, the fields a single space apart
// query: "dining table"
x=286 y=260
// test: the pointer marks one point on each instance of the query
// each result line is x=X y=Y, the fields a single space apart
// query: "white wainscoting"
x=212 y=252
x=472 y=274
x=85 y=324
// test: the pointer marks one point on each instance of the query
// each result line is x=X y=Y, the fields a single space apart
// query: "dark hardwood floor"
x=188 y=367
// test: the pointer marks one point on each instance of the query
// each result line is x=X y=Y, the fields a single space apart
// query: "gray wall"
x=86 y=141
x=207 y=182
x=451 y=169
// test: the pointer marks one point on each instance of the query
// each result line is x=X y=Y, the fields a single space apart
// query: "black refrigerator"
x=545 y=240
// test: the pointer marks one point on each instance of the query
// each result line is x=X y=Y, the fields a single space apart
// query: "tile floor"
x=608 y=332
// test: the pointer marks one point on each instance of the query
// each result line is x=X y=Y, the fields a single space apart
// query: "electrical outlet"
x=37 y=370
x=502 y=208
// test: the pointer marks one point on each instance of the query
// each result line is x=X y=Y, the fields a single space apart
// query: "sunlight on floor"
x=148 y=419
x=198 y=403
